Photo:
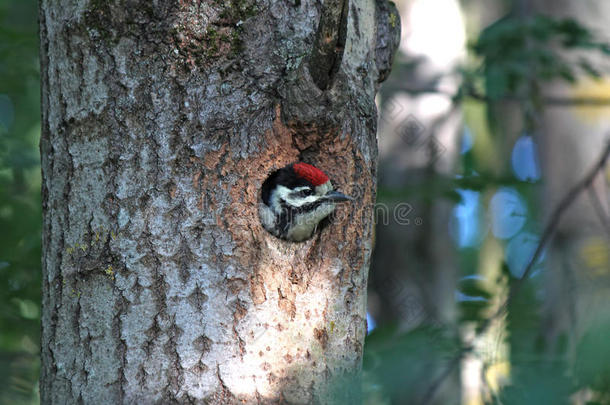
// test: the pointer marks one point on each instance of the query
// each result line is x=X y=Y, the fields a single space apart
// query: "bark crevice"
x=327 y=52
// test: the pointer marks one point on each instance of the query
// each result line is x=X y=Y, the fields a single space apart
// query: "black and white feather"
x=292 y=206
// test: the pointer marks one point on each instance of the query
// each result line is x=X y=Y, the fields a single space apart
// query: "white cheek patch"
x=295 y=200
x=324 y=188
x=299 y=202
x=302 y=188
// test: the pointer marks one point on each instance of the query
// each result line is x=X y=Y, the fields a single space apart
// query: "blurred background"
x=20 y=211
x=490 y=278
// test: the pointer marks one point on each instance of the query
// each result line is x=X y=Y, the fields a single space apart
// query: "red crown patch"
x=310 y=173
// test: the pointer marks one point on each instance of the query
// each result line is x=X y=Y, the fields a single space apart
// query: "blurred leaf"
x=565 y=73
x=536 y=381
x=404 y=363
x=591 y=70
x=474 y=300
x=593 y=359
x=515 y=51
x=20 y=212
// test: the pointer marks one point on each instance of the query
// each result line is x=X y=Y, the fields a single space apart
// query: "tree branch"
x=547 y=234
x=599 y=210
x=327 y=52
x=555 y=217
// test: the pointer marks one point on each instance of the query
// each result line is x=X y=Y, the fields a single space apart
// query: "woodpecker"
x=295 y=199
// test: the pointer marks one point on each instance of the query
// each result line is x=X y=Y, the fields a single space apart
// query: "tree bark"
x=161 y=120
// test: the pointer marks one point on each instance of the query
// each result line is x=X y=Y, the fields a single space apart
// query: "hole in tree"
x=297 y=201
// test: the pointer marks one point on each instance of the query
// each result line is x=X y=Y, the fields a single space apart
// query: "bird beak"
x=336 y=196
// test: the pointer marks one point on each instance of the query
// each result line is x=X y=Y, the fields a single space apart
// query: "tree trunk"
x=161 y=120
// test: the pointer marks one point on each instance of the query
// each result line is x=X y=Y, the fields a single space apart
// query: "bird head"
x=295 y=199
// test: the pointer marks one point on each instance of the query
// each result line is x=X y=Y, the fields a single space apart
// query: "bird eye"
x=306 y=192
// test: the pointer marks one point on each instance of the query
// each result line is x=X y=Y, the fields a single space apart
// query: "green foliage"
x=20 y=213
x=539 y=375
x=520 y=53
x=404 y=363
x=593 y=360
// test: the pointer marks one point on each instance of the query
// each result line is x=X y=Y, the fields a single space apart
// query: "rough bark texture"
x=161 y=120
